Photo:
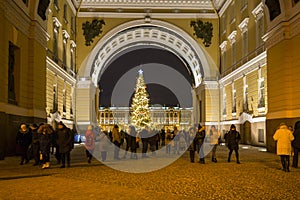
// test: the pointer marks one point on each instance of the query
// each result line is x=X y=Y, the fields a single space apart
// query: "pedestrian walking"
x=45 y=140
x=133 y=142
x=23 y=140
x=64 y=141
x=176 y=138
x=116 y=139
x=284 y=137
x=232 y=138
x=35 y=144
x=200 y=136
x=296 y=144
x=193 y=144
x=214 y=142
x=104 y=143
x=163 y=137
x=144 y=135
x=127 y=147
x=168 y=141
x=89 y=144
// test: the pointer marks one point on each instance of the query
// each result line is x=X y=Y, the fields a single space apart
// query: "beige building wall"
x=27 y=32
x=60 y=73
x=282 y=41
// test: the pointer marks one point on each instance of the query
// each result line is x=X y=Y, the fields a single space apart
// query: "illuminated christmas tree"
x=140 y=104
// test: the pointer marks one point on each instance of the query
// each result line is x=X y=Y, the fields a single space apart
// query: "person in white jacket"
x=284 y=137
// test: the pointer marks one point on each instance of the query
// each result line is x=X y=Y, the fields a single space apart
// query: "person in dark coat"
x=45 y=134
x=23 y=140
x=104 y=143
x=35 y=144
x=232 y=138
x=152 y=140
x=126 y=138
x=193 y=144
x=296 y=144
x=200 y=136
x=64 y=141
x=133 y=142
x=144 y=134
x=163 y=137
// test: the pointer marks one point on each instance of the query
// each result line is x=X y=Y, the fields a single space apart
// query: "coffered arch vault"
x=156 y=33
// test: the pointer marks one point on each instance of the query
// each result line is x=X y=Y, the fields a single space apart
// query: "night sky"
x=159 y=94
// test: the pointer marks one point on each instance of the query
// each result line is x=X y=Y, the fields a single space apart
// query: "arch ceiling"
x=196 y=6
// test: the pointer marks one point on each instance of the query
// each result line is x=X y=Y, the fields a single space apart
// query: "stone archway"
x=132 y=34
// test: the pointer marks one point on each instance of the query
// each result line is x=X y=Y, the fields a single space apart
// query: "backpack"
x=89 y=141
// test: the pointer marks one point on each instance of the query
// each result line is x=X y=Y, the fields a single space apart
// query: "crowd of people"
x=37 y=142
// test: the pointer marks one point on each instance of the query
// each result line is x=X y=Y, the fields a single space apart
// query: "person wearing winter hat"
x=232 y=138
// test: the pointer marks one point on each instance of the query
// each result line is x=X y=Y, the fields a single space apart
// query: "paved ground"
x=257 y=177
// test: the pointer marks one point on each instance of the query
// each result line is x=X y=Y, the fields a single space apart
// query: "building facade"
x=243 y=70
x=160 y=117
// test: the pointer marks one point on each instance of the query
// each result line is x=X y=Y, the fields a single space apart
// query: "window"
x=295 y=1
x=25 y=1
x=223 y=30
x=259 y=31
x=261 y=90
x=73 y=25
x=245 y=43
x=55 y=44
x=72 y=57
x=64 y=101
x=232 y=14
x=258 y=13
x=233 y=100
x=55 y=3
x=71 y=103
x=243 y=26
x=13 y=72
x=65 y=55
x=261 y=93
x=66 y=13
x=261 y=135
x=245 y=107
x=223 y=55
x=244 y=5
x=55 y=98
x=224 y=102
x=232 y=39
x=233 y=53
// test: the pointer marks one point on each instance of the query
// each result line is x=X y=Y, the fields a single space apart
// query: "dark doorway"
x=246 y=132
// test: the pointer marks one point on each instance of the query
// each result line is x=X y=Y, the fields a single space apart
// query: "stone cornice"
x=66 y=34
x=157 y=4
x=18 y=18
x=52 y=66
x=152 y=15
x=243 y=26
x=232 y=37
x=248 y=67
x=224 y=7
x=223 y=46
x=258 y=12
x=73 y=44
x=15 y=16
x=283 y=31
x=56 y=22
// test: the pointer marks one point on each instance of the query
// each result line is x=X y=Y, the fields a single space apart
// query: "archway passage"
x=137 y=58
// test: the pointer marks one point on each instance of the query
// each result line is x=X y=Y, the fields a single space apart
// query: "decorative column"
x=85 y=104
